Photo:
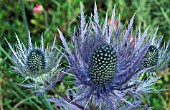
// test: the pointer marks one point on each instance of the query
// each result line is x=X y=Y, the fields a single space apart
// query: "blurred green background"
x=64 y=14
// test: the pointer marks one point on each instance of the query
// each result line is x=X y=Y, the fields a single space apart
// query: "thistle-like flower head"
x=157 y=55
x=107 y=67
x=38 y=64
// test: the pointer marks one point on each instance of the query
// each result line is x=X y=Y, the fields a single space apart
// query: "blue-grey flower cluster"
x=38 y=65
x=108 y=65
x=113 y=68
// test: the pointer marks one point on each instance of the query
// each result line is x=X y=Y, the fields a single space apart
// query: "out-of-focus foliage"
x=64 y=14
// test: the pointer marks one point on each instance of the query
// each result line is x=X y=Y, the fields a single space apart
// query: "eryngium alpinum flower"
x=38 y=65
x=108 y=68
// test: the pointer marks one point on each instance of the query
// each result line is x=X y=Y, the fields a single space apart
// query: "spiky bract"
x=38 y=64
x=115 y=84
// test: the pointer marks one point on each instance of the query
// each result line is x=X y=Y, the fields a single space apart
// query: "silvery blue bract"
x=108 y=68
x=38 y=65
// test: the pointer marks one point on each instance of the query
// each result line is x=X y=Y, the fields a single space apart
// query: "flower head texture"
x=108 y=67
x=38 y=65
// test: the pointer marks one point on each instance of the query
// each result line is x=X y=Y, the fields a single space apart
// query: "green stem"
x=22 y=101
x=6 y=54
x=45 y=102
x=24 y=18
x=46 y=18
x=91 y=106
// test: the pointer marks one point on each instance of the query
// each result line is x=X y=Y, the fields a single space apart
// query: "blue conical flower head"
x=36 y=61
x=151 y=56
x=103 y=64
